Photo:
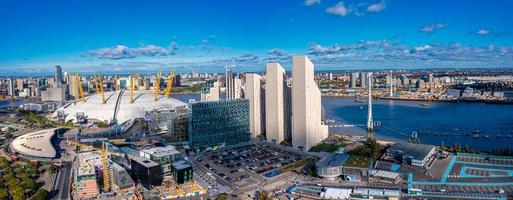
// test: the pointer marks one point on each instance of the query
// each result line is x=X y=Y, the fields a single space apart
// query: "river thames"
x=435 y=123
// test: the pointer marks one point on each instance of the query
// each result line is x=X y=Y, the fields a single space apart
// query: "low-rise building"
x=146 y=172
x=164 y=156
x=182 y=172
x=413 y=154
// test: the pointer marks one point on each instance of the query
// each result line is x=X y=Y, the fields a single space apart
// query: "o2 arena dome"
x=117 y=106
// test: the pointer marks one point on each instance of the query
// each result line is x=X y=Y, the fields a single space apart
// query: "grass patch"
x=324 y=147
x=358 y=161
x=295 y=165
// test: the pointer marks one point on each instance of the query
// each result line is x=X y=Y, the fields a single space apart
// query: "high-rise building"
x=177 y=81
x=352 y=78
x=363 y=79
x=210 y=91
x=73 y=87
x=20 y=84
x=57 y=94
x=11 y=90
x=233 y=86
x=275 y=103
x=58 y=75
x=307 y=127
x=253 y=94
x=218 y=123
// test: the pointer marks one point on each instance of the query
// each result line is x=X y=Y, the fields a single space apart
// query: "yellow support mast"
x=132 y=88
x=105 y=166
x=96 y=87
x=101 y=88
x=170 y=79
x=79 y=85
x=157 y=85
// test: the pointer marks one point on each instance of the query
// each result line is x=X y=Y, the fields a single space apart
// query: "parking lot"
x=263 y=159
x=477 y=176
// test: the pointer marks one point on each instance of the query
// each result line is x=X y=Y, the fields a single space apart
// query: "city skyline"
x=206 y=37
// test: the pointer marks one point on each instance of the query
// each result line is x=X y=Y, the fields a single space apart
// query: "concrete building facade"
x=274 y=106
x=253 y=94
x=307 y=127
x=210 y=91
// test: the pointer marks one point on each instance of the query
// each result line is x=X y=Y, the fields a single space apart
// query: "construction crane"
x=106 y=173
x=80 y=89
x=132 y=88
x=105 y=165
x=157 y=85
x=170 y=83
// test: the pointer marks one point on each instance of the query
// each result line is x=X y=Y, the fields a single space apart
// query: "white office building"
x=307 y=127
x=253 y=87
x=275 y=103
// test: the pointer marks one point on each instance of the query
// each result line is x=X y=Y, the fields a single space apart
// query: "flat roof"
x=333 y=160
x=37 y=144
x=161 y=151
x=181 y=165
x=145 y=162
x=416 y=151
x=385 y=174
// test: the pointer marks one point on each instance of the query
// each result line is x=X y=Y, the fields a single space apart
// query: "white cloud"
x=376 y=7
x=430 y=28
x=312 y=2
x=338 y=9
x=122 y=51
x=483 y=32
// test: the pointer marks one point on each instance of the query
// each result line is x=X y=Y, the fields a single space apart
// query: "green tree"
x=3 y=193
x=41 y=194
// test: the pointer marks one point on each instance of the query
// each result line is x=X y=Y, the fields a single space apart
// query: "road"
x=63 y=182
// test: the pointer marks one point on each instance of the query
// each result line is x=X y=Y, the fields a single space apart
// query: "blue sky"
x=95 y=35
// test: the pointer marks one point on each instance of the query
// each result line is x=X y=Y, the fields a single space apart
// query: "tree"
x=41 y=194
x=3 y=193
x=264 y=195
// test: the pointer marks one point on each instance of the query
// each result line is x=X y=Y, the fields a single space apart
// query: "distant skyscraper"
x=253 y=89
x=275 y=102
x=307 y=127
x=19 y=84
x=431 y=78
x=210 y=91
x=233 y=86
x=370 y=121
x=363 y=79
x=58 y=75
x=177 y=81
x=352 y=78
x=73 y=87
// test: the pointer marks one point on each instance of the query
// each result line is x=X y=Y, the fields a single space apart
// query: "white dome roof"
x=93 y=107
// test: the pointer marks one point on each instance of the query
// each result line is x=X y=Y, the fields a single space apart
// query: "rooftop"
x=94 y=108
x=181 y=165
x=145 y=162
x=161 y=151
x=37 y=144
x=416 y=151
x=333 y=160
x=385 y=174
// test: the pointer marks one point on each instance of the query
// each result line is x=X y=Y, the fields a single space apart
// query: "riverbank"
x=430 y=100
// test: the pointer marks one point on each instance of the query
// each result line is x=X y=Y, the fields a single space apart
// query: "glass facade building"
x=218 y=123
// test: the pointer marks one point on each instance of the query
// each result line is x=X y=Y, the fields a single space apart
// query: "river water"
x=438 y=122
